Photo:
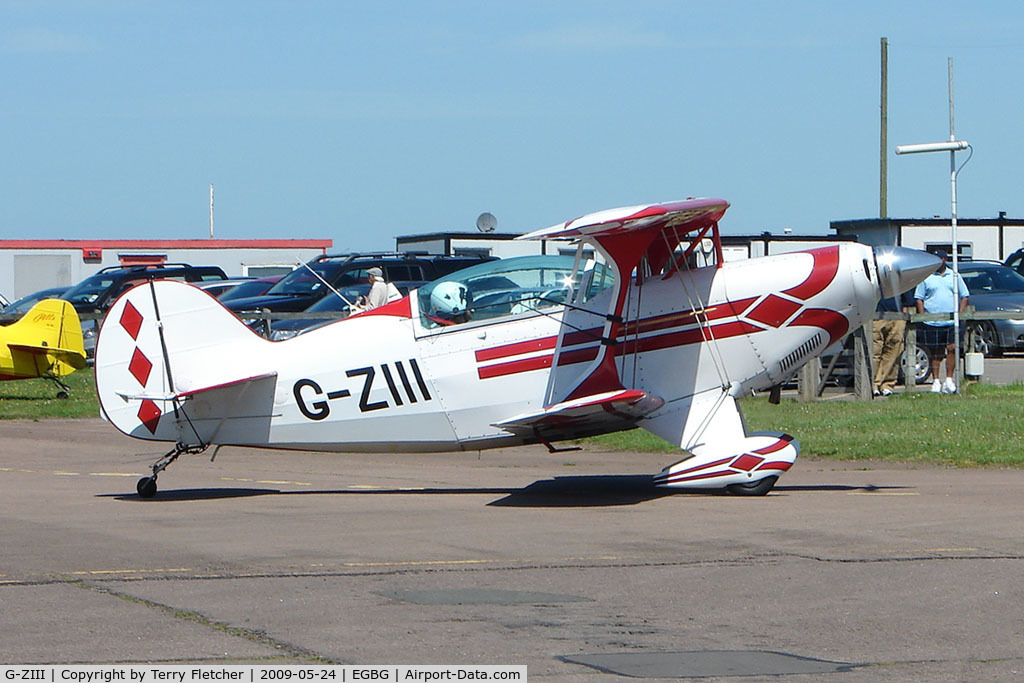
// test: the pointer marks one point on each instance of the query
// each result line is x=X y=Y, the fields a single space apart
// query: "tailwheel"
x=146 y=487
x=761 y=487
x=63 y=389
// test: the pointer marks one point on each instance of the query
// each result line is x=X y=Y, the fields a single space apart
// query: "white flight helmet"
x=450 y=298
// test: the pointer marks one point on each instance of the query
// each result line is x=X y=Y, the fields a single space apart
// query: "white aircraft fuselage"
x=667 y=351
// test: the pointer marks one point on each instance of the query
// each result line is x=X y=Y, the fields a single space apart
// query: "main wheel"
x=146 y=487
x=761 y=487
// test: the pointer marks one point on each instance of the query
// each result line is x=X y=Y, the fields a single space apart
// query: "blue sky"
x=362 y=121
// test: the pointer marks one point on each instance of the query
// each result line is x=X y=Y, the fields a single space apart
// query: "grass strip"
x=984 y=426
x=33 y=399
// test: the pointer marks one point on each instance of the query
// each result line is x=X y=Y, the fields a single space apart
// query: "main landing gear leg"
x=147 y=485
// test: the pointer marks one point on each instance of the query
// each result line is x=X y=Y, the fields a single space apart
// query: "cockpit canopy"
x=513 y=286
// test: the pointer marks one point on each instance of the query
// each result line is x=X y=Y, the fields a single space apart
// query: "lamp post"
x=953 y=146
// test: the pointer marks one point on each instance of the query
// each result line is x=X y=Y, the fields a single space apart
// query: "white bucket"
x=974 y=364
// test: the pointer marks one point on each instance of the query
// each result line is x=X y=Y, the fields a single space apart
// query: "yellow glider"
x=46 y=342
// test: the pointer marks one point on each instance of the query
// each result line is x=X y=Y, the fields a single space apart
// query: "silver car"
x=994 y=287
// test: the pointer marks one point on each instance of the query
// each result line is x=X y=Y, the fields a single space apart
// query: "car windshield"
x=23 y=304
x=333 y=302
x=506 y=287
x=992 y=280
x=90 y=289
x=245 y=290
x=307 y=279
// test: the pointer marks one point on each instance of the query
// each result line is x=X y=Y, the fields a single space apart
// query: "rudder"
x=163 y=339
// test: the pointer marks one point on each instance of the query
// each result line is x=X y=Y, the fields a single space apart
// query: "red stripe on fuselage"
x=516 y=349
x=823 y=271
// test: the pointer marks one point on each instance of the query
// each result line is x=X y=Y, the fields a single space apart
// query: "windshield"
x=90 y=289
x=510 y=286
x=994 y=280
x=333 y=302
x=244 y=290
x=23 y=304
x=303 y=282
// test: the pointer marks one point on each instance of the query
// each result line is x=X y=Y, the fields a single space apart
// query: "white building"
x=502 y=245
x=27 y=266
x=977 y=238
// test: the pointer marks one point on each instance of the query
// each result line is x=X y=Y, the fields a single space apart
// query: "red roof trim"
x=168 y=244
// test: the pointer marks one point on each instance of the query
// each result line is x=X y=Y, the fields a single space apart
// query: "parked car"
x=218 y=288
x=96 y=293
x=253 y=287
x=994 y=287
x=312 y=281
x=333 y=307
x=1015 y=261
x=22 y=305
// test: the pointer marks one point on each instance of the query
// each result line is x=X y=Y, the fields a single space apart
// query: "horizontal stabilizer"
x=168 y=396
x=610 y=411
x=73 y=358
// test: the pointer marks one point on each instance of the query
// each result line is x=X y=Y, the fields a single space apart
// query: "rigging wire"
x=700 y=312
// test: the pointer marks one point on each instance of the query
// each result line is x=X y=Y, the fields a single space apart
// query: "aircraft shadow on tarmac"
x=565 y=492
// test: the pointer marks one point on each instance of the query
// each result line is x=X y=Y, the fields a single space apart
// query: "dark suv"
x=1015 y=261
x=96 y=293
x=308 y=283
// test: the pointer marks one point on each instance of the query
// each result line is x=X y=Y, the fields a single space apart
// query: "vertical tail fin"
x=163 y=342
x=48 y=338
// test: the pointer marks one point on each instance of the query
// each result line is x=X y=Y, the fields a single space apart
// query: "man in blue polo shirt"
x=939 y=293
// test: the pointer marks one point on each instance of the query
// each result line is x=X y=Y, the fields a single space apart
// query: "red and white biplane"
x=646 y=326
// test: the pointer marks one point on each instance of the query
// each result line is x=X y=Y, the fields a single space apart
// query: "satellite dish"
x=486 y=222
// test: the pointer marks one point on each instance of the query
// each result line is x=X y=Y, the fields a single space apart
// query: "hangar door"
x=33 y=272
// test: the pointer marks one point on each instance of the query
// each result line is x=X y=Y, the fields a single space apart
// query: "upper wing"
x=682 y=216
x=628 y=237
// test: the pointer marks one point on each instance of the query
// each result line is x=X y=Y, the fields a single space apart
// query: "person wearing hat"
x=381 y=292
x=378 y=294
x=939 y=293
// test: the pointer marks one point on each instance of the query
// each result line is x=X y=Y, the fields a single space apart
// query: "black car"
x=1016 y=261
x=332 y=307
x=18 y=308
x=312 y=281
x=96 y=293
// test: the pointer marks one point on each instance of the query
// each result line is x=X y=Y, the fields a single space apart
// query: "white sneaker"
x=948 y=387
x=936 y=386
x=886 y=392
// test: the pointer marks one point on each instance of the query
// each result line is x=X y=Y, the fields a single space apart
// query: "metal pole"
x=211 y=211
x=956 y=245
x=883 y=175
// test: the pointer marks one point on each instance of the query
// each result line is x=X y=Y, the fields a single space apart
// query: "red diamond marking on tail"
x=140 y=367
x=149 y=415
x=131 y=320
